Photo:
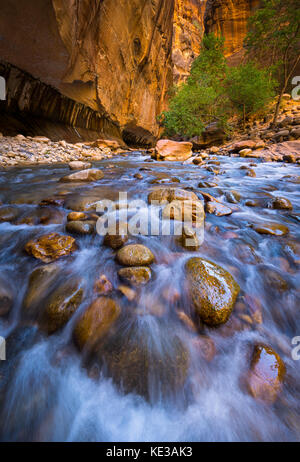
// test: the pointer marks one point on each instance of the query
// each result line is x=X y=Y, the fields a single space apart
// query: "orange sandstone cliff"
x=103 y=67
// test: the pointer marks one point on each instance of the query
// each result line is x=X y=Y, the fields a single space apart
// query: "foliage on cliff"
x=214 y=92
x=273 y=39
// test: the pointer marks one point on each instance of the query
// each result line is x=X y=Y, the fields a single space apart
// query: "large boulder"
x=173 y=151
x=266 y=374
x=96 y=322
x=61 y=306
x=91 y=174
x=289 y=151
x=51 y=247
x=150 y=363
x=39 y=286
x=212 y=289
x=212 y=135
x=135 y=255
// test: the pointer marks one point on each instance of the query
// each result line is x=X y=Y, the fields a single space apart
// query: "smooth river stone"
x=273 y=229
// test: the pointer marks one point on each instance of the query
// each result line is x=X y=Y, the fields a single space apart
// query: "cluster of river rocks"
x=211 y=290
x=21 y=150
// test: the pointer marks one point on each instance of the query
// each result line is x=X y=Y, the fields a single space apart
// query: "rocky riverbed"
x=142 y=337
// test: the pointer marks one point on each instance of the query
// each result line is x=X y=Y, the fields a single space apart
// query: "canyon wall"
x=116 y=58
x=229 y=18
x=113 y=56
x=188 y=31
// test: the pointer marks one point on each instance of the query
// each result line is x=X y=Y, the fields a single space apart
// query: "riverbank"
x=22 y=151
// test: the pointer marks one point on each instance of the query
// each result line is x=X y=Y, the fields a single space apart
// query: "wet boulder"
x=212 y=289
x=77 y=216
x=91 y=174
x=266 y=374
x=51 y=247
x=39 y=286
x=149 y=363
x=218 y=209
x=136 y=276
x=82 y=228
x=135 y=255
x=173 y=151
x=280 y=203
x=212 y=135
x=272 y=229
x=96 y=322
x=61 y=306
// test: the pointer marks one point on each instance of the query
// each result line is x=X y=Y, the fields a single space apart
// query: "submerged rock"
x=61 y=306
x=212 y=289
x=79 y=203
x=266 y=374
x=39 y=285
x=51 y=247
x=9 y=214
x=96 y=322
x=135 y=255
x=136 y=276
x=150 y=363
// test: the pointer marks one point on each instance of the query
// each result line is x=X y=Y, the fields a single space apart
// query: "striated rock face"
x=187 y=35
x=113 y=56
x=229 y=18
x=103 y=66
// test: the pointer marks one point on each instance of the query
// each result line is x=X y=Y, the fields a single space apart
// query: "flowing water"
x=49 y=393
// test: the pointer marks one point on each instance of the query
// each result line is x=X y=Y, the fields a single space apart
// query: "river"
x=48 y=393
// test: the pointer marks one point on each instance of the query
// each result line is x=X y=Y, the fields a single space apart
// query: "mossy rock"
x=212 y=289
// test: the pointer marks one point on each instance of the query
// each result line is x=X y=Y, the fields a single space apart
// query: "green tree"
x=273 y=40
x=249 y=89
x=201 y=99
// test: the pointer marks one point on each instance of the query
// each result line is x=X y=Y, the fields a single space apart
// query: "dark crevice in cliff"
x=34 y=108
